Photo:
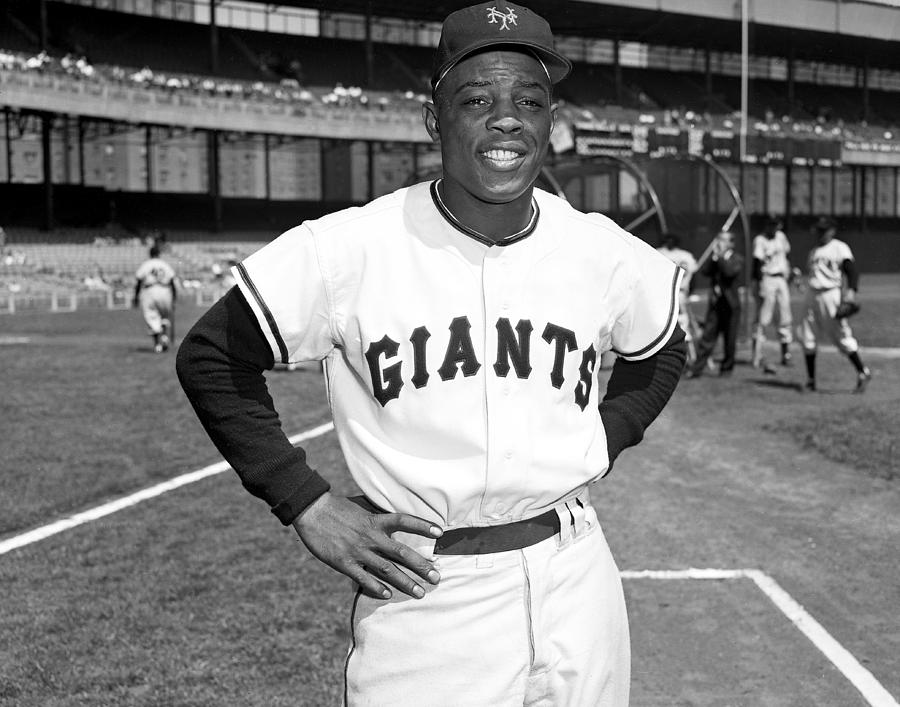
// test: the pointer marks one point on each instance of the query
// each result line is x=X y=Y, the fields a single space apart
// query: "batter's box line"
x=861 y=678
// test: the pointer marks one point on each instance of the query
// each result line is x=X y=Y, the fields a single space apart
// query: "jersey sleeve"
x=759 y=248
x=650 y=311
x=844 y=252
x=284 y=286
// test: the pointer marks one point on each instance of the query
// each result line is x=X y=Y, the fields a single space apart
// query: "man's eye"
x=475 y=101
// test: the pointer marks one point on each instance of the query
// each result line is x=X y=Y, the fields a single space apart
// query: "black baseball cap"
x=489 y=24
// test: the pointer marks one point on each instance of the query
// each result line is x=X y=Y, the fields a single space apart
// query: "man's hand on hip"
x=358 y=543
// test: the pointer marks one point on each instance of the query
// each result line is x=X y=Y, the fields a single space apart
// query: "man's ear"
x=429 y=115
x=553 y=108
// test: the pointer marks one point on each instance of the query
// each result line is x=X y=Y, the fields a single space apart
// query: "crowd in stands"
x=287 y=90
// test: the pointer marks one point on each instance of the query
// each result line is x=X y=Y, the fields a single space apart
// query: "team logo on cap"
x=507 y=18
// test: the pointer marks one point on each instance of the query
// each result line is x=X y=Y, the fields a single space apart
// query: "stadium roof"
x=636 y=20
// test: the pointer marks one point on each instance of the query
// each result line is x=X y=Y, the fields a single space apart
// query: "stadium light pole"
x=745 y=61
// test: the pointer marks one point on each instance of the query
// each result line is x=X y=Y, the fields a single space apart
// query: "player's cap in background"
x=824 y=223
x=773 y=220
x=489 y=24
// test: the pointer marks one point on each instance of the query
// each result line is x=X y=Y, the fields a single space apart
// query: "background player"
x=829 y=262
x=771 y=272
x=723 y=267
x=155 y=293
x=462 y=322
x=671 y=248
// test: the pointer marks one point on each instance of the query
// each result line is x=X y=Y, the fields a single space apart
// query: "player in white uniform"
x=671 y=248
x=155 y=293
x=771 y=271
x=462 y=322
x=829 y=262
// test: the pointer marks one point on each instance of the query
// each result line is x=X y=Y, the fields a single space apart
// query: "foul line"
x=118 y=504
x=862 y=679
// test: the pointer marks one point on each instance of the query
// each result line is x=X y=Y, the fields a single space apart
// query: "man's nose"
x=505 y=118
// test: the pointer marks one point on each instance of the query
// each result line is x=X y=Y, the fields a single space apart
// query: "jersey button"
x=508 y=455
x=499 y=509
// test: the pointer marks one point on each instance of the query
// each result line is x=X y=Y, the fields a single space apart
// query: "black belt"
x=773 y=274
x=498 y=538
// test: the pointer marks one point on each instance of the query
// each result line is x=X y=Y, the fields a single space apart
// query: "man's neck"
x=495 y=221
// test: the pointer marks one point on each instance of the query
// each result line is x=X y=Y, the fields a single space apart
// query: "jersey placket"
x=500 y=398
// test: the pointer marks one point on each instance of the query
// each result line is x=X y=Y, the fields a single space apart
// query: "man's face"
x=493 y=117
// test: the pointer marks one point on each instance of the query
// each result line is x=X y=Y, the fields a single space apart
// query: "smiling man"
x=461 y=322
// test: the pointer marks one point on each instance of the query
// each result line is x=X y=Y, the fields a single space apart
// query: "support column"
x=43 y=29
x=792 y=107
x=213 y=39
x=370 y=51
x=617 y=71
x=707 y=66
x=148 y=156
x=212 y=154
x=46 y=127
x=267 y=161
x=865 y=88
x=9 y=174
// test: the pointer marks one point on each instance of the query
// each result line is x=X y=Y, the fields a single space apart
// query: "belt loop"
x=576 y=508
x=565 y=524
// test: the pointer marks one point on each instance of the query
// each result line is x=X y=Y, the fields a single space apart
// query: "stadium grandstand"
x=223 y=122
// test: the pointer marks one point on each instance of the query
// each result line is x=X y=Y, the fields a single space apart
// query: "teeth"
x=501 y=154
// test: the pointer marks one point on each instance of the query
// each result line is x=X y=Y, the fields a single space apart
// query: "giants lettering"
x=513 y=353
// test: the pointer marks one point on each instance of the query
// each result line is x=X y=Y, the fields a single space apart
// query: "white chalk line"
x=133 y=499
x=861 y=678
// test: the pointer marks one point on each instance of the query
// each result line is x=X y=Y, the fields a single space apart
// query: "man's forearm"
x=220 y=365
x=637 y=392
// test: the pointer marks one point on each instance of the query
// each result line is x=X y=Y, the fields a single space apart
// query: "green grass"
x=200 y=597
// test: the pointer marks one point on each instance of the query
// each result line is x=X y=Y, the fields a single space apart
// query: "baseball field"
x=757 y=528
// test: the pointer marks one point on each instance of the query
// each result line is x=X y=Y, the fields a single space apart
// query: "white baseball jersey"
x=461 y=374
x=683 y=259
x=824 y=264
x=772 y=253
x=155 y=272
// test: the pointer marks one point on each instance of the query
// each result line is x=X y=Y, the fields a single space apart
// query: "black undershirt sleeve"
x=848 y=267
x=757 y=269
x=220 y=365
x=637 y=391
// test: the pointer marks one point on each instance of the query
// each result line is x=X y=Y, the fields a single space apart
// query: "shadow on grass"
x=776 y=383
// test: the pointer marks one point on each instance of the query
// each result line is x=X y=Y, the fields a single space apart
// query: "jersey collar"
x=480 y=237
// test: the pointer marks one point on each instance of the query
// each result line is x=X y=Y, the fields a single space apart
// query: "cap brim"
x=558 y=67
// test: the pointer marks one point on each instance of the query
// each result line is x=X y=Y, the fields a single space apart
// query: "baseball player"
x=829 y=262
x=771 y=272
x=461 y=322
x=155 y=294
x=671 y=248
x=723 y=267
